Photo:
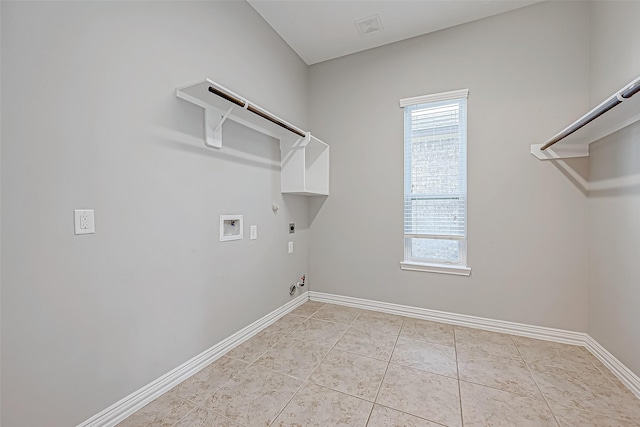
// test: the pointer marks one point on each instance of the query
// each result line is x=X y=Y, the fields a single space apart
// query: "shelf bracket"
x=213 y=121
x=560 y=152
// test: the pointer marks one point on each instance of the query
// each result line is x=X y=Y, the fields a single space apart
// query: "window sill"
x=457 y=270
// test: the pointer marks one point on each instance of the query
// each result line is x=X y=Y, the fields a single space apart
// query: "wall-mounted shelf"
x=305 y=167
x=618 y=111
x=305 y=159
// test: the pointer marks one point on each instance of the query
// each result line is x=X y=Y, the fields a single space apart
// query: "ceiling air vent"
x=369 y=25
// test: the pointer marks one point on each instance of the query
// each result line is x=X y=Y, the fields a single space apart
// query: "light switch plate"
x=84 y=221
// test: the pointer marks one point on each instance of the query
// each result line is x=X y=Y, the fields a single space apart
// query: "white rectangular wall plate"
x=231 y=227
x=84 y=221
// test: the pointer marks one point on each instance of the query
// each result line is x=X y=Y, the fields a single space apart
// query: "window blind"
x=435 y=175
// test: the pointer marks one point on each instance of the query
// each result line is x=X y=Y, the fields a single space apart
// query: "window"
x=435 y=183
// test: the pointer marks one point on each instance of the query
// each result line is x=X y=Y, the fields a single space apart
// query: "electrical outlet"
x=84 y=221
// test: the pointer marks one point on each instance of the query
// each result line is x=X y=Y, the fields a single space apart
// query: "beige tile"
x=387 y=417
x=367 y=343
x=554 y=354
x=294 y=357
x=308 y=308
x=422 y=394
x=250 y=350
x=319 y=331
x=204 y=383
x=200 y=417
x=337 y=313
x=484 y=406
x=568 y=417
x=563 y=386
x=379 y=322
x=604 y=370
x=165 y=411
x=424 y=330
x=350 y=373
x=505 y=373
x=436 y=358
x=318 y=406
x=254 y=397
x=285 y=324
x=588 y=391
x=485 y=341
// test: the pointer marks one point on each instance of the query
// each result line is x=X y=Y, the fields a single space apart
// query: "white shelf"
x=305 y=159
x=305 y=167
x=577 y=144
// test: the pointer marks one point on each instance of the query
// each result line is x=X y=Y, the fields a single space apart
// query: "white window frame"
x=410 y=263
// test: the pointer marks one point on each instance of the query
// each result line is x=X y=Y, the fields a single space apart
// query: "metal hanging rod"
x=607 y=105
x=255 y=110
x=226 y=96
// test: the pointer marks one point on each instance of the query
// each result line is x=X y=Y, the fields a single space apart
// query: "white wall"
x=91 y=120
x=527 y=72
x=614 y=234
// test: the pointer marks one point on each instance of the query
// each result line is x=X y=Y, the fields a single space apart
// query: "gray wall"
x=91 y=120
x=614 y=210
x=527 y=72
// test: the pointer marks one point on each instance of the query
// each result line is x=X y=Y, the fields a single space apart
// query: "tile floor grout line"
x=359 y=354
x=455 y=346
x=499 y=389
x=423 y=370
x=536 y=383
x=308 y=379
x=211 y=412
x=410 y=414
x=600 y=414
x=186 y=415
x=287 y=404
x=375 y=399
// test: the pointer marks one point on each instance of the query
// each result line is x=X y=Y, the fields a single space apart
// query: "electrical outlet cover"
x=84 y=221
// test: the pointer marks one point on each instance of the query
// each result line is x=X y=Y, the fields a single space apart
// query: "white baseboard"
x=539 y=332
x=136 y=400
x=623 y=373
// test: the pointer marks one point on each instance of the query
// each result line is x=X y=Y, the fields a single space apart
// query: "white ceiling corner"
x=321 y=30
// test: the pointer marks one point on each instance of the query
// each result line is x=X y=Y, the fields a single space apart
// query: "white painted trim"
x=443 y=96
x=457 y=270
x=539 y=332
x=136 y=400
x=623 y=373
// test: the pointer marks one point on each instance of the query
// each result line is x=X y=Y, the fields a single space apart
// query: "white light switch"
x=290 y=247
x=84 y=221
x=253 y=232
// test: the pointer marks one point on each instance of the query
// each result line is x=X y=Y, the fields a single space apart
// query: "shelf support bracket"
x=560 y=152
x=213 y=121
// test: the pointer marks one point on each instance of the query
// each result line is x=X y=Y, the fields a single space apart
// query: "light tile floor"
x=328 y=365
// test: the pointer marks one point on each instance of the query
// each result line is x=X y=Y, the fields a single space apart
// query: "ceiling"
x=321 y=30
